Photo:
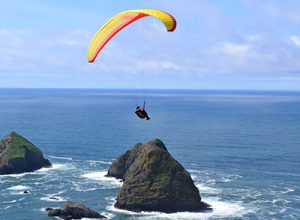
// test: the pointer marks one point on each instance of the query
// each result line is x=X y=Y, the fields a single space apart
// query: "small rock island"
x=154 y=181
x=73 y=210
x=18 y=155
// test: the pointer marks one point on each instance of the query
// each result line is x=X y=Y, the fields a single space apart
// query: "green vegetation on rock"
x=162 y=178
x=18 y=155
x=19 y=145
x=154 y=181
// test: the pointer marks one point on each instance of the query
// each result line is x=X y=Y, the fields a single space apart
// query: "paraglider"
x=141 y=112
x=119 y=22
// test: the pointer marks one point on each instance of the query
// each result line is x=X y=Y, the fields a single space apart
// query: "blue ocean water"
x=241 y=148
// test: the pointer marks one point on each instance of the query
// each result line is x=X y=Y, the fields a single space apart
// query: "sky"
x=232 y=44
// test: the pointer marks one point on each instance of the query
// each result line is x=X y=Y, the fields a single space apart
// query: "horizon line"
x=149 y=89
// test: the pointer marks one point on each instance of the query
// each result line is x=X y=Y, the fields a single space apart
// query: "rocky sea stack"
x=18 y=155
x=154 y=181
x=73 y=210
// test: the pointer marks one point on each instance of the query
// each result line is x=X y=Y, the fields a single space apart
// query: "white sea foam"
x=4 y=181
x=42 y=209
x=287 y=190
x=61 y=158
x=12 y=201
x=7 y=207
x=56 y=166
x=221 y=209
x=110 y=182
x=95 y=175
x=280 y=201
x=196 y=171
x=99 y=161
x=82 y=187
x=230 y=178
x=18 y=190
x=40 y=171
x=54 y=197
x=207 y=189
x=19 y=193
x=90 y=218
x=19 y=187
x=108 y=215
x=15 y=175
x=217 y=177
x=193 y=176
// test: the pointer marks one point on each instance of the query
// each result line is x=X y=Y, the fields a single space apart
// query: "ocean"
x=242 y=148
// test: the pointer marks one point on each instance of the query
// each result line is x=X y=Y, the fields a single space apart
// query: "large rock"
x=18 y=155
x=154 y=181
x=72 y=210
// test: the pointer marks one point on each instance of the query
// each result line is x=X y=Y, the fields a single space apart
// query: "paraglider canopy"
x=120 y=21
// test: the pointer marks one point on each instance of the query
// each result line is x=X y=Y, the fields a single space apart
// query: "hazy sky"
x=232 y=44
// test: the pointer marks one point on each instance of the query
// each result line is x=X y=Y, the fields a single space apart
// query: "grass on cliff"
x=19 y=146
